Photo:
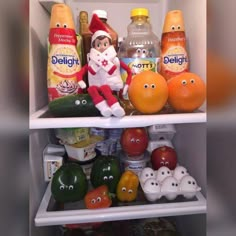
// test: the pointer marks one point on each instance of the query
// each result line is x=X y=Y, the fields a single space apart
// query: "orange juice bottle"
x=174 y=57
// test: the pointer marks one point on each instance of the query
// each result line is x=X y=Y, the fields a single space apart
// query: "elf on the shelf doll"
x=103 y=70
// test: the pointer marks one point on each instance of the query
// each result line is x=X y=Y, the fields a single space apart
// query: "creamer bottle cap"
x=174 y=21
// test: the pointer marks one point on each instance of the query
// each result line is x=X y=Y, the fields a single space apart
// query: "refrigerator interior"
x=190 y=138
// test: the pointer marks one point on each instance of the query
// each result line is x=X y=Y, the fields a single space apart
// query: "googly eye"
x=111 y=177
x=58 y=25
x=132 y=140
x=123 y=189
x=178 y=27
x=152 y=183
x=168 y=172
x=144 y=51
x=84 y=102
x=189 y=182
x=194 y=183
x=138 y=50
x=77 y=102
x=146 y=175
x=176 y=184
x=153 y=86
x=162 y=163
x=130 y=191
x=99 y=199
x=137 y=140
x=145 y=85
x=173 y=27
x=65 y=25
x=182 y=172
x=151 y=174
x=192 y=81
x=156 y=184
x=62 y=187
x=162 y=172
x=173 y=184
x=105 y=178
x=93 y=201
x=184 y=82
x=71 y=187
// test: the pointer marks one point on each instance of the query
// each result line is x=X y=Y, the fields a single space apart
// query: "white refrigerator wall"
x=190 y=140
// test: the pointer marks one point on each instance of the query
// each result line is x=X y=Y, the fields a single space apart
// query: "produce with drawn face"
x=106 y=171
x=69 y=183
x=134 y=141
x=164 y=156
x=98 y=198
x=127 y=187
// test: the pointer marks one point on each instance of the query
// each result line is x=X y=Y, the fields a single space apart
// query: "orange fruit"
x=187 y=92
x=148 y=92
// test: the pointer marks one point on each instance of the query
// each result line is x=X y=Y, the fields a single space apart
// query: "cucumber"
x=77 y=105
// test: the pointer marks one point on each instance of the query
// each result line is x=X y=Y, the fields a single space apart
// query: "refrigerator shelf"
x=45 y=217
x=42 y=120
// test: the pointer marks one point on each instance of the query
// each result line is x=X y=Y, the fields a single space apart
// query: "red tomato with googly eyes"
x=134 y=141
x=164 y=156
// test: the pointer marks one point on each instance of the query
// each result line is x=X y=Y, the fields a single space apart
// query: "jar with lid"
x=140 y=50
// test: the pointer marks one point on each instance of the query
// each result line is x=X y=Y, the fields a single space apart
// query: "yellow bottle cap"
x=139 y=12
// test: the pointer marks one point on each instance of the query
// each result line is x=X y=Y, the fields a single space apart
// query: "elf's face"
x=102 y=44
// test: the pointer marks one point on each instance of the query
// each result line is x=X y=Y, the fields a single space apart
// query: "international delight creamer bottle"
x=63 y=58
x=140 y=50
x=174 y=57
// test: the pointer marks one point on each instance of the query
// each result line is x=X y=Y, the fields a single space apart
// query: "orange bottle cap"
x=174 y=21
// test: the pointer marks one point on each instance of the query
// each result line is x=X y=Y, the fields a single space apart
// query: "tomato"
x=134 y=141
x=164 y=156
x=98 y=198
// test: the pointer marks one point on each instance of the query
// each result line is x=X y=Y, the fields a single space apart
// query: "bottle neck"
x=139 y=19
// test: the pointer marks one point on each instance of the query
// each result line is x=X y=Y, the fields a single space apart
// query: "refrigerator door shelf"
x=48 y=218
x=41 y=120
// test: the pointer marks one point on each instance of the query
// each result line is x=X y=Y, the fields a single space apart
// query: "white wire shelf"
x=61 y=217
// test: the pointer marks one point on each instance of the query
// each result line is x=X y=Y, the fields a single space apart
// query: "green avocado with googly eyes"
x=69 y=183
x=76 y=105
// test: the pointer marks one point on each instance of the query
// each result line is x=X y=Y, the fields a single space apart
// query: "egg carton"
x=167 y=183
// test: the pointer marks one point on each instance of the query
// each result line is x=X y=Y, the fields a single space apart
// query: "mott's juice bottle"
x=174 y=57
x=63 y=59
x=140 y=50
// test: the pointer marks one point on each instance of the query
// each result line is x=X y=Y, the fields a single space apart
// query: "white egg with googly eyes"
x=146 y=173
x=152 y=189
x=188 y=186
x=151 y=186
x=170 y=187
x=180 y=172
x=162 y=173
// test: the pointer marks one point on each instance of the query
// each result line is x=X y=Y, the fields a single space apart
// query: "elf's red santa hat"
x=97 y=28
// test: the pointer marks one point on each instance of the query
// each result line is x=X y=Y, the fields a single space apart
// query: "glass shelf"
x=50 y=214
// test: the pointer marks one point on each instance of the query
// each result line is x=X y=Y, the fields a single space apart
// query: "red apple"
x=164 y=156
x=134 y=141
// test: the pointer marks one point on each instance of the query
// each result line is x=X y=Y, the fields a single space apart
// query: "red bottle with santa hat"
x=103 y=70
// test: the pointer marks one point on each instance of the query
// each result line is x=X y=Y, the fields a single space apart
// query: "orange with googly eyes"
x=187 y=92
x=148 y=92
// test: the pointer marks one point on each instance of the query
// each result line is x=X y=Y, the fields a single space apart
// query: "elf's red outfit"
x=103 y=70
